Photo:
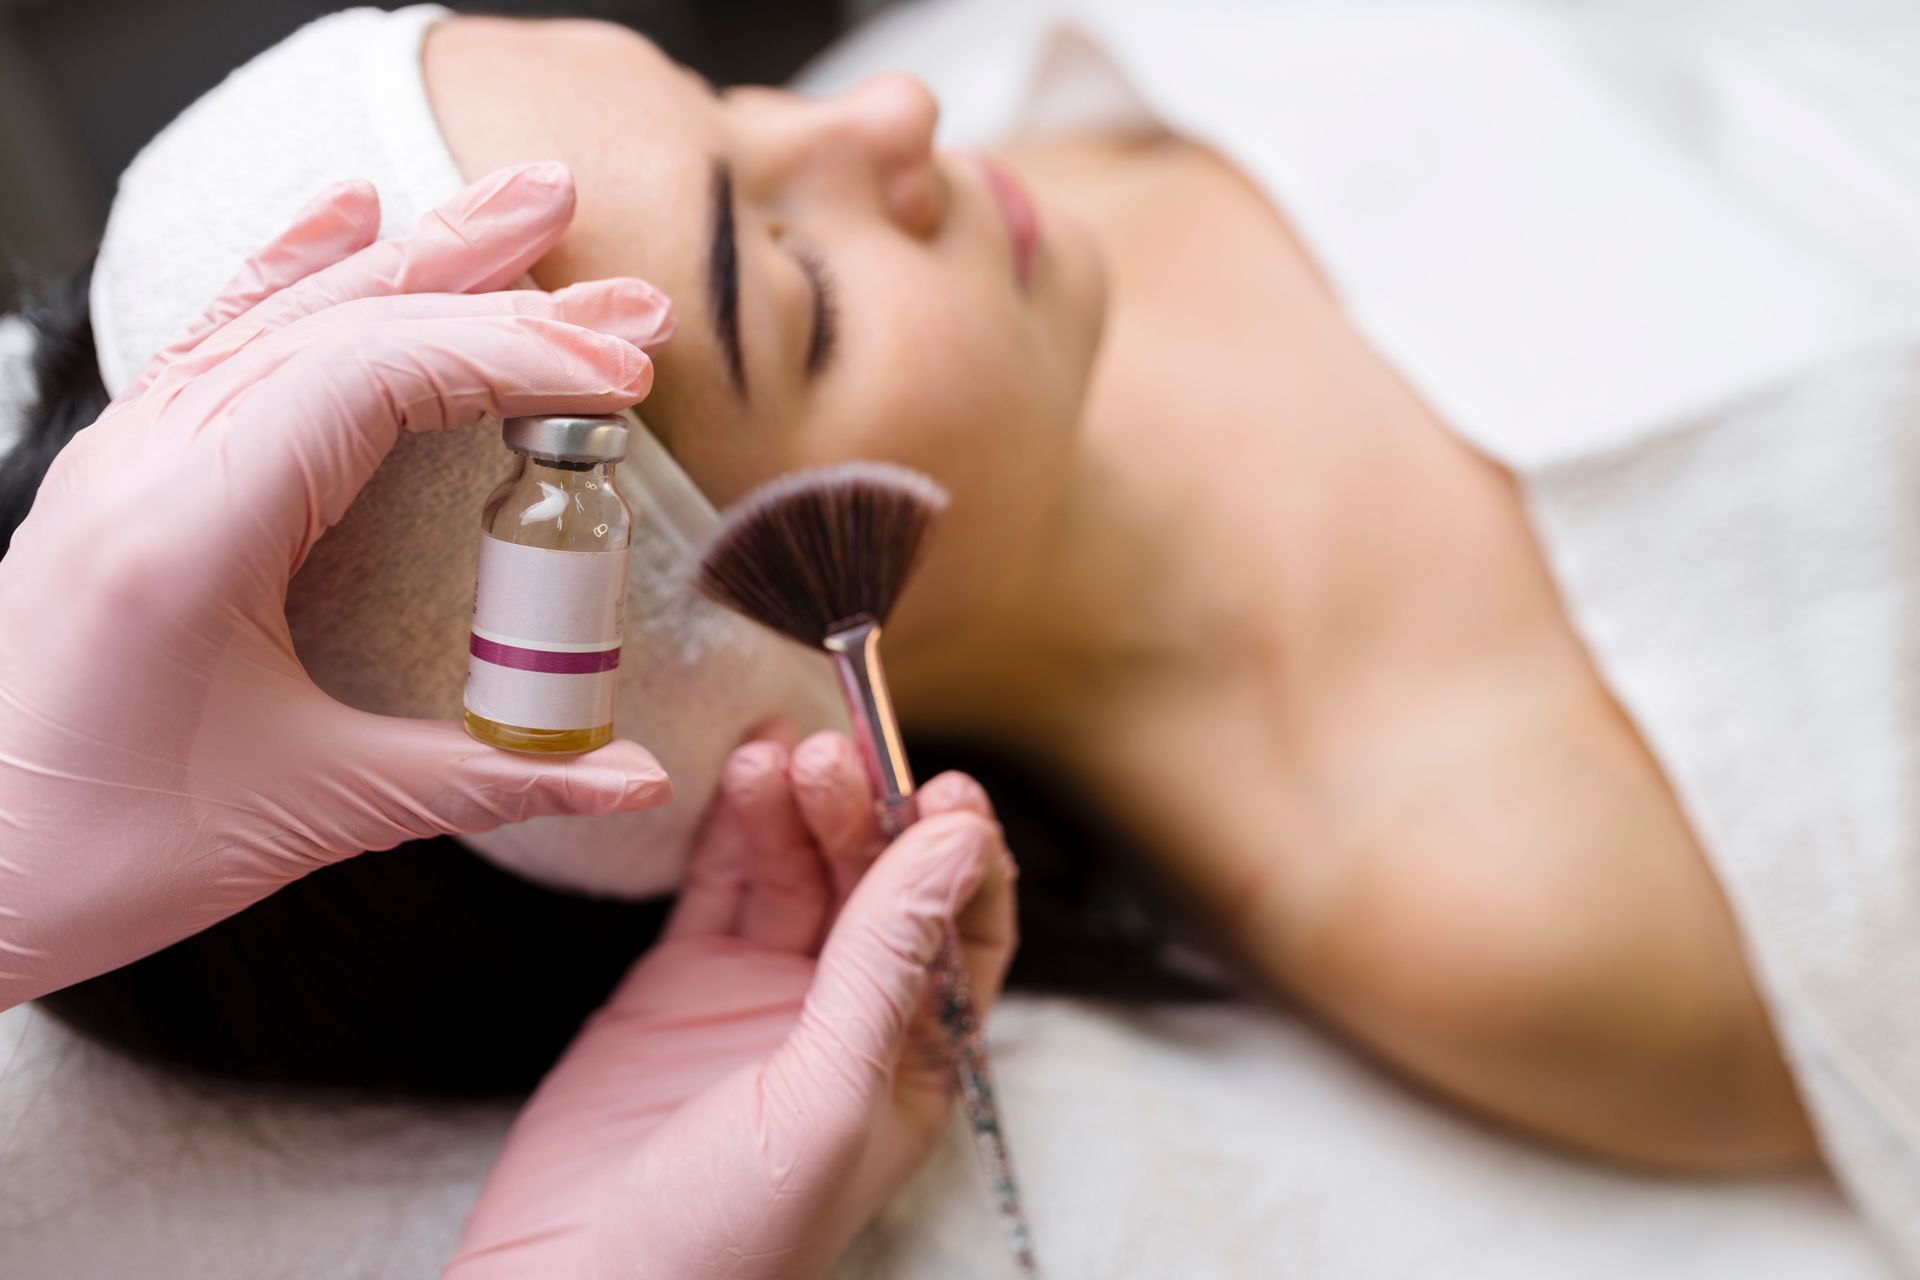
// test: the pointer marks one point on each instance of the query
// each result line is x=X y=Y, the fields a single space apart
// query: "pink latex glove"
x=740 y=1108
x=164 y=760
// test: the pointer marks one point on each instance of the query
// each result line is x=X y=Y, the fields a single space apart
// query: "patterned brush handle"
x=953 y=1006
x=952 y=995
x=856 y=653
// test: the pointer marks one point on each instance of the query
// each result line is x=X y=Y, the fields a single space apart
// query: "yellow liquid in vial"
x=546 y=741
x=553 y=506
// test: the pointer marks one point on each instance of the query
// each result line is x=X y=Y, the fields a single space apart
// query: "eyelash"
x=827 y=321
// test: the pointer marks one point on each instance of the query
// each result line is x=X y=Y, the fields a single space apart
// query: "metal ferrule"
x=856 y=658
x=567 y=437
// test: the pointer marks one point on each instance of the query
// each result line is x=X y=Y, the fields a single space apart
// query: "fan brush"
x=822 y=556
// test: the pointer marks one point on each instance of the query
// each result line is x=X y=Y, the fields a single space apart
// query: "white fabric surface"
x=380 y=612
x=1664 y=262
x=16 y=378
x=1207 y=1144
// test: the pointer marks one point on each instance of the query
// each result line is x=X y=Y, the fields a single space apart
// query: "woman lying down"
x=1466 y=552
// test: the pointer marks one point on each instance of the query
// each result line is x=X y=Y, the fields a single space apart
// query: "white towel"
x=16 y=378
x=1205 y=1144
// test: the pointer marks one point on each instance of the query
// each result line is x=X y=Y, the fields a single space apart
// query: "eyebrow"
x=723 y=277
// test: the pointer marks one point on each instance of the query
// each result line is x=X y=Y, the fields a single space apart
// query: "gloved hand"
x=164 y=760
x=740 y=1108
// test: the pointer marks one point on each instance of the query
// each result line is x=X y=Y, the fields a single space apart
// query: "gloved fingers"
x=339 y=222
x=410 y=355
x=784 y=905
x=354 y=340
x=488 y=236
x=986 y=928
x=335 y=405
x=723 y=857
x=953 y=792
x=625 y=306
x=755 y=874
x=775 y=729
x=873 y=969
x=389 y=780
x=836 y=802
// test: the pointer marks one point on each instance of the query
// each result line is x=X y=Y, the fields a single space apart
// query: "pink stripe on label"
x=561 y=664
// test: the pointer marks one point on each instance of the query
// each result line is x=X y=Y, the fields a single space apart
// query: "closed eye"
x=723 y=277
x=826 y=310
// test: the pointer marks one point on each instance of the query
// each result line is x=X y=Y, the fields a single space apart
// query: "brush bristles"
x=815 y=549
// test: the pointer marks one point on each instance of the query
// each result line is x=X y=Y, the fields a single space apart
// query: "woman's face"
x=843 y=290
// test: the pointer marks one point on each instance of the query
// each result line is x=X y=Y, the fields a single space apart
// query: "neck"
x=1071 y=640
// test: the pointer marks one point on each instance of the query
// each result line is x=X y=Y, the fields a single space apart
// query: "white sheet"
x=1207 y=1144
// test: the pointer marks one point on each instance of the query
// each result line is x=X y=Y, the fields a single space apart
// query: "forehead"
x=640 y=132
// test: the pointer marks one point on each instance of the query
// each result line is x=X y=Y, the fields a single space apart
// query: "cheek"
x=962 y=385
x=941 y=370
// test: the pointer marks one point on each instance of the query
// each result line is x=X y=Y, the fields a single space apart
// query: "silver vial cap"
x=567 y=437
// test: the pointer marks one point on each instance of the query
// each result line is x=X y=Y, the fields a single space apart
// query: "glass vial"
x=549 y=599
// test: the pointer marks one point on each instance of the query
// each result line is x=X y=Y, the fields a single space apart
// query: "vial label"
x=545 y=650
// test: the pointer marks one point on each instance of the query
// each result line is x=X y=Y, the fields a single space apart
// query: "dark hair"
x=426 y=970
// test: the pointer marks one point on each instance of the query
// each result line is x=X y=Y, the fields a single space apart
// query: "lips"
x=1016 y=208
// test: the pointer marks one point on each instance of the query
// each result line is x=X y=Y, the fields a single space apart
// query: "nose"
x=883 y=131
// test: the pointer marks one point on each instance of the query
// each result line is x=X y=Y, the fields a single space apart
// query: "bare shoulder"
x=1508 y=904
x=1483 y=879
x=1385 y=764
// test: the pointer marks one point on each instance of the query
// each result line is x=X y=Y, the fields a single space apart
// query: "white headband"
x=16 y=379
x=345 y=97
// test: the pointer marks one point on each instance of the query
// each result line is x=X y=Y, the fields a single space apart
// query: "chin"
x=1077 y=287
x=627 y=856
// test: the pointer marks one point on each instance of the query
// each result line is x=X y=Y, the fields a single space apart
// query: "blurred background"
x=84 y=83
